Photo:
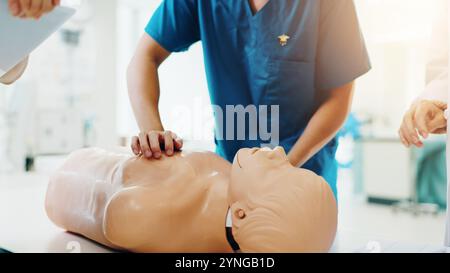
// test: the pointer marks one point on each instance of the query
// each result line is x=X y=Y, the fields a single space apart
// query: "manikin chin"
x=180 y=203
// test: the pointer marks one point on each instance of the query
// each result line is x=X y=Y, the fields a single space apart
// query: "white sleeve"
x=437 y=89
x=437 y=68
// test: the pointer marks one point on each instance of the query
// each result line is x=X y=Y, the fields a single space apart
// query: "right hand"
x=153 y=143
x=424 y=117
x=31 y=8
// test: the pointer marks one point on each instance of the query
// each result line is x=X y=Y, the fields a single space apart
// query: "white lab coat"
x=437 y=78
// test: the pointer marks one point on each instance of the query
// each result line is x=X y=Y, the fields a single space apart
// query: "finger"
x=24 y=7
x=410 y=132
x=47 y=6
x=406 y=134
x=145 y=145
x=168 y=143
x=421 y=120
x=14 y=7
x=135 y=146
x=154 y=144
x=56 y=2
x=35 y=8
x=402 y=138
x=440 y=104
x=177 y=141
x=407 y=137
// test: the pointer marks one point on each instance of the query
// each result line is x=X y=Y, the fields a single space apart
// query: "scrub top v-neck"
x=247 y=63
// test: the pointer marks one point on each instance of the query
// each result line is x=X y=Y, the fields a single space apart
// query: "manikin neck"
x=229 y=220
x=229 y=232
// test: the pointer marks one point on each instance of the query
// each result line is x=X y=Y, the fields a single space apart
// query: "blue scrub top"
x=247 y=65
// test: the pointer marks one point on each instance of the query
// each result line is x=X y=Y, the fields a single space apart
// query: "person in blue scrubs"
x=300 y=55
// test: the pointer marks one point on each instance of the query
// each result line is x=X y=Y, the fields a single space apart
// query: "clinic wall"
x=398 y=34
x=184 y=94
x=66 y=85
x=105 y=23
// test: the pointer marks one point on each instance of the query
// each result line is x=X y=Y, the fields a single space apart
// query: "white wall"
x=398 y=34
x=185 y=106
x=105 y=95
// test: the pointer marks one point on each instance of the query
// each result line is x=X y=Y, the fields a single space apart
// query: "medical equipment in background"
x=30 y=129
x=390 y=175
x=5 y=164
x=430 y=179
x=19 y=126
x=388 y=171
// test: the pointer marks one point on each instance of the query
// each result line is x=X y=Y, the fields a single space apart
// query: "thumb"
x=438 y=122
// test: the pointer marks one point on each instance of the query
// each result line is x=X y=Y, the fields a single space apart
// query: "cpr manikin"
x=180 y=203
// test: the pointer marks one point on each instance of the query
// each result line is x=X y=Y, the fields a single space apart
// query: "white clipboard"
x=19 y=37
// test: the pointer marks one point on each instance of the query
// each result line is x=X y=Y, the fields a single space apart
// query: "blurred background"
x=74 y=95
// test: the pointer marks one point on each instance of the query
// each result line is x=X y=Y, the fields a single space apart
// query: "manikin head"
x=276 y=207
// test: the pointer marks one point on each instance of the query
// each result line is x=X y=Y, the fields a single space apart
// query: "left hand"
x=423 y=118
x=31 y=8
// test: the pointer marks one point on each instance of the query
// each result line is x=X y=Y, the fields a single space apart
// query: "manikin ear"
x=239 y=212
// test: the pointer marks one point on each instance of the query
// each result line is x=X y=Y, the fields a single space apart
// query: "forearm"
x=324 y=124
x=15 y=73
x=143 y=89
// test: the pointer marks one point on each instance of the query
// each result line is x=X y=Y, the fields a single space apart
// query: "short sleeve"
x=341 y=54
x=175 y=25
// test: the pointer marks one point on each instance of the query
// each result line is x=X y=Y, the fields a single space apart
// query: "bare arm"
x=144 y=93
x=335 y=105
x=15 y=73
x=143 y=83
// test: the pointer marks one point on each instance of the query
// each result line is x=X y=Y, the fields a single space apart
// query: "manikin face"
x=251 y=165
x=279 y=208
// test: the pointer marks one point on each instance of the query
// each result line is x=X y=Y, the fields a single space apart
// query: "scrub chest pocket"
x=291 y=86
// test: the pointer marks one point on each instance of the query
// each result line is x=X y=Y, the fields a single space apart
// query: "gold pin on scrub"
x=283 y=39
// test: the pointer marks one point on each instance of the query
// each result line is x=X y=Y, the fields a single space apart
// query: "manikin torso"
x=180 y=203
x=176 y=204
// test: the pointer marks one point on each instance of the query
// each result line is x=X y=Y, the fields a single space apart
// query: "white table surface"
x=24 y=226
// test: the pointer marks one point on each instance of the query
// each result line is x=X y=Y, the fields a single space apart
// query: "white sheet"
x=19 y=37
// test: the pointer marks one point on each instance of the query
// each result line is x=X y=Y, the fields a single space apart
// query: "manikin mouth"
x=252 y=152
